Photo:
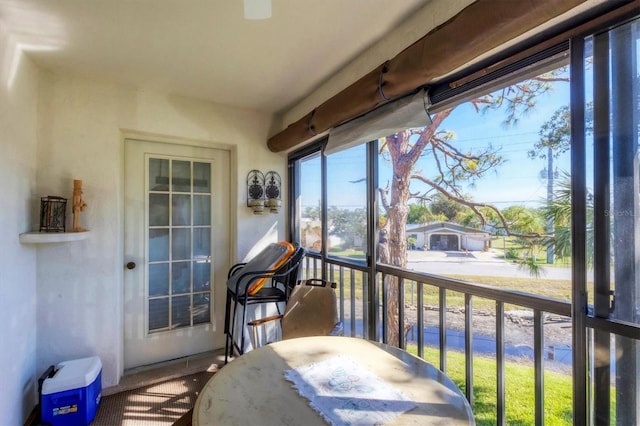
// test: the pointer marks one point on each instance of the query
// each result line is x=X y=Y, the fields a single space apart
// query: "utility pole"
x=555 y=136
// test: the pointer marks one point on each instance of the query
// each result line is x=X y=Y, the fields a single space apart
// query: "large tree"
x=418 y=213
x=454 y=168
x=441 y=205
x=348 y=224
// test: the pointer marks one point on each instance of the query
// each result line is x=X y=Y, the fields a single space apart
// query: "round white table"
x=252 y=389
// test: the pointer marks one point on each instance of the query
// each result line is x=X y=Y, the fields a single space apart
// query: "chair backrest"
x=311 y=310
x=289 y=272
x=257 y=271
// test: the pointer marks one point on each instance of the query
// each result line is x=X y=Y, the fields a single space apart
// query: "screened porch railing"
x=355 y=313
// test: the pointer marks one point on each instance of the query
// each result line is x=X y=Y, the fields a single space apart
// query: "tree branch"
x=474 y=206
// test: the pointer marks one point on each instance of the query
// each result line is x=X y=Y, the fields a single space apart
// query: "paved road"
x=476 y=263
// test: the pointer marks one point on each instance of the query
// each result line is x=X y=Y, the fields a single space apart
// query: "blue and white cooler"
x=70 y=395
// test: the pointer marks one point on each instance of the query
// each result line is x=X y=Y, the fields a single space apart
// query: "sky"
x=516 y=181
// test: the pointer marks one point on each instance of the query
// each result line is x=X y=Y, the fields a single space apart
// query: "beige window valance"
x=477 y=29
x=389 y=119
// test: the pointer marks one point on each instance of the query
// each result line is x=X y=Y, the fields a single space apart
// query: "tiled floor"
x=143 y=376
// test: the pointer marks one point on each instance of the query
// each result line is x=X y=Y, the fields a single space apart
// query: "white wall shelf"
x=52 y=237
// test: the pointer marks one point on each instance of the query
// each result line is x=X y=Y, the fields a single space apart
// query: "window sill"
x=52 y=237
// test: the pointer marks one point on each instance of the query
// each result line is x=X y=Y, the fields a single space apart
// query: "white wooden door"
x=176 y=250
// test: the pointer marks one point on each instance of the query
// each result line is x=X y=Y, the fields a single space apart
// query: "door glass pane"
x=179 y=229
x=201 y=275
x=201 y=177
x=180 y=244
x=158 y=279
x=181 y=176
x=308 y=203
x=158 y=245
x=201 y=243
x=180 y=311
x=158 y=210
x=347 y=203
x=201 y=210
x=201 y=308
x=158 y=174
x=181 y=210
x=180 y=277
x=158 y=313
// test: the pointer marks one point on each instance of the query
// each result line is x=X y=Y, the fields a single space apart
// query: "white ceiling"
x=203 y=48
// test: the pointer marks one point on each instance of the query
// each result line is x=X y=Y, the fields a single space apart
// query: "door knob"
x=131 y=265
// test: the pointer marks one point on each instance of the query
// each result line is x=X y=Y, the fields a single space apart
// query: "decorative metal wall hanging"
x=272 y=191
x=53 y=214
x=264 y=191
x=255 y=191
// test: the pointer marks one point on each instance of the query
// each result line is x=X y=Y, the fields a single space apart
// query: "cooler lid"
x=78 y=373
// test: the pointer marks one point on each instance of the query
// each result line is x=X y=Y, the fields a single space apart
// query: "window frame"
x=584 y=320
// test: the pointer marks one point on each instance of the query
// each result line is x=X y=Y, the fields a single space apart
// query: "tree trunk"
x=396 y=246
x=393 y=247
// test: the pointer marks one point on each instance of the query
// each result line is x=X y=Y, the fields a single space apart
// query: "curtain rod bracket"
x=381 y=83
x=310 y=127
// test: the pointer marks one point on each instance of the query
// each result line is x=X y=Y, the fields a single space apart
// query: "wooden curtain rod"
x=577 y=31
x=477 y=29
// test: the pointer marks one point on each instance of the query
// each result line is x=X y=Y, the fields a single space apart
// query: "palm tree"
x=559 y=211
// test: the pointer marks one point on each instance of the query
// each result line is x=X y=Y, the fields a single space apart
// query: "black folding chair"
x=276 y=288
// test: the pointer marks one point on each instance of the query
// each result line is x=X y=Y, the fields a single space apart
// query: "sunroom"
x=516 y=119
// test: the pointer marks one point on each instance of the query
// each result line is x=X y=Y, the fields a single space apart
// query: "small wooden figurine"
x=78 y=205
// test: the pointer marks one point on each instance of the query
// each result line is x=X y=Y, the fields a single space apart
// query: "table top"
x=252 y=389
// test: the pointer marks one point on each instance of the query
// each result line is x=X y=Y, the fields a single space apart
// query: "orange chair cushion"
x=284 y=255
x=269 y=259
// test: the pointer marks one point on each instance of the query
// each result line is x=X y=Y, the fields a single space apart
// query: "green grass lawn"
x=348 y=254
x=557 y=289
x=519 y=394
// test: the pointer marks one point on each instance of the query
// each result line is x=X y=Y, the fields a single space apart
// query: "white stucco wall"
x=18 y=102
x=81 y=120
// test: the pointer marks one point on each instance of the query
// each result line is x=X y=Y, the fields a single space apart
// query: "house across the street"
x=447 y=236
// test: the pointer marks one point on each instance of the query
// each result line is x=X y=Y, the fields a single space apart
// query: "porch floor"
x=155 y=373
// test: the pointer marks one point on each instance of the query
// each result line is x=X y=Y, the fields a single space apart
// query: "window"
x=497 y=192
x=336 y=191
x=480 y=185
x=612 y=118
x=347 y=203
x=309 y=203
